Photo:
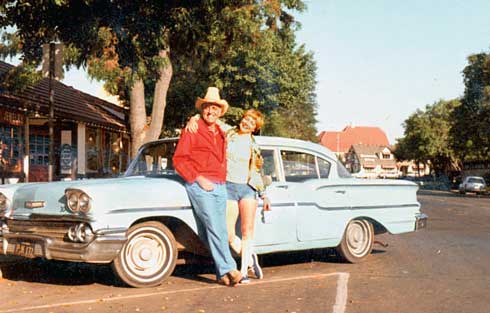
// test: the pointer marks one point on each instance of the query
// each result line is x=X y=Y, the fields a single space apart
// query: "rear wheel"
x=148 y=257
x=357 y=242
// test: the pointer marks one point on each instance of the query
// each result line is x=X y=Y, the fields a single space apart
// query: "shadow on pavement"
x=56 y=272
x=76 y=274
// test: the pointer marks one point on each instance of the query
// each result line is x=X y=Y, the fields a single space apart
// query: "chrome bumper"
x=421 y=221
x=103 y=248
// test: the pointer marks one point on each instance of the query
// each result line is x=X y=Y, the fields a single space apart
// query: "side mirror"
x=267 y=180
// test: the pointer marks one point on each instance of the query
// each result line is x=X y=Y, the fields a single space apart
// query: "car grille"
x=56 y=230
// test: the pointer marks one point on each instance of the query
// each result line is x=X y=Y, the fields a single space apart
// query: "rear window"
x=476 y=180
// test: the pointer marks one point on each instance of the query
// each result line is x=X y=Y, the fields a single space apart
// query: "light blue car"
x=143 y=223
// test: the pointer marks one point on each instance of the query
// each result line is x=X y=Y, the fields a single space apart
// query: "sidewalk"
x=452 y=193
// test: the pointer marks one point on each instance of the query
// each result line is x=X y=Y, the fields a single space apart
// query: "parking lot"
x=444 y=268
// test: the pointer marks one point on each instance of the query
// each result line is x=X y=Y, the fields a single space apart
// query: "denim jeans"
x=210 y=210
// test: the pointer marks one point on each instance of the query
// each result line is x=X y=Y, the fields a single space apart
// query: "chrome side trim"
x=367 y=207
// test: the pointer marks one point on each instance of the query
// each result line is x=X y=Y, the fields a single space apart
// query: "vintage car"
x=142 y=222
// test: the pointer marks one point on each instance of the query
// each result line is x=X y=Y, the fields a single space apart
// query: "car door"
x=278 y=225
x=322 y=202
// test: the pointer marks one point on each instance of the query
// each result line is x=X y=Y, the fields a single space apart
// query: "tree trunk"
x=143 y=130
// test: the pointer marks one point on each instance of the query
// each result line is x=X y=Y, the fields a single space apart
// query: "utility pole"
x=51 y=110
x=52 y=68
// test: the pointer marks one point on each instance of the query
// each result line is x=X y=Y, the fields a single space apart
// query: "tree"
x=427 y=137
x=471 y=133
x=268 y=73
x=132 y=45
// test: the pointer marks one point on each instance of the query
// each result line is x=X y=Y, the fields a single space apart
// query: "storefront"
x=90 y=135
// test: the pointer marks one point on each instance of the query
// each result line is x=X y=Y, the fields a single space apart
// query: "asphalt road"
x=445 y=268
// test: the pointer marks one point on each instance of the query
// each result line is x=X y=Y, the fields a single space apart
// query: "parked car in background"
x=143 y=223
x=473 y=184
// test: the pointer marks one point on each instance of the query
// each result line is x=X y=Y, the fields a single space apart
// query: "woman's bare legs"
x=231 y=218
x=247 y=208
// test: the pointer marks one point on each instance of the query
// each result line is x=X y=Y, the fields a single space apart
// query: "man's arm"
x=182 y=163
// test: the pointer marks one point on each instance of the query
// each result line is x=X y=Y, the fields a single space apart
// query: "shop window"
x=11 y=148
x=39 y=149
x=113 y=154
x=92 y=144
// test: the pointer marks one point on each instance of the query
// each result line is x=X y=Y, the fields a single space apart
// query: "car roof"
x=295 y=143
x=278 y=142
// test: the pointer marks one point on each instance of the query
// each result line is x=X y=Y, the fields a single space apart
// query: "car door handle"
x=340 y=191
x=283 y=186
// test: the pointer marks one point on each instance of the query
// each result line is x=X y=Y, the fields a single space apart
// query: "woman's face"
x=247 y=125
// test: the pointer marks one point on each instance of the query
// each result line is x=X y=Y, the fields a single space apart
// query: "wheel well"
x=186 y=239
x=378 y=227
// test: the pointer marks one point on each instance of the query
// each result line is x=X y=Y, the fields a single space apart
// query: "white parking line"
x=338 y=307
x=341 y=298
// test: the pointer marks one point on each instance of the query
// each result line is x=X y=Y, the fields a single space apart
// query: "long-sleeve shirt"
x=202 y=153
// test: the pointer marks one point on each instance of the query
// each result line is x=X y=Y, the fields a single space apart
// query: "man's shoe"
x=235 y=276
x=245 y=280
x=224 y=280
x=256 y=269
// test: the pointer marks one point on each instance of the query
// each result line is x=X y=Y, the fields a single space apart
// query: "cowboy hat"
x=212 y=96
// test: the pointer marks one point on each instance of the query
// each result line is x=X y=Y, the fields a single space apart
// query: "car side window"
x=298 y=166
x=323 y=167
x=269 y=167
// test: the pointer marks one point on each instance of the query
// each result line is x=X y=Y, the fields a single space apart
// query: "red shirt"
x=202 y=153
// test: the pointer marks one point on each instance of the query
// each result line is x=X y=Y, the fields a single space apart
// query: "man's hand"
x=205 y=183
x=267 y=203
x=191 y=125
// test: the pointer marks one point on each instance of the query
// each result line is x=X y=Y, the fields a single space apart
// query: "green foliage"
x=264 y=71
x=427 y=137
x=471 y=131
x=245 y=47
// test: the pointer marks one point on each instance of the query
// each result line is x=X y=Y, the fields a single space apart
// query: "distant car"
x=473 y=184
x=143 y=222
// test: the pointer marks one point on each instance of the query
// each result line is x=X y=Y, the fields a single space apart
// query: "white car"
x=142 y=223
x=473 y=184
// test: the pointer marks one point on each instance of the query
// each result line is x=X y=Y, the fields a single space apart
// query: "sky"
x=381 y=60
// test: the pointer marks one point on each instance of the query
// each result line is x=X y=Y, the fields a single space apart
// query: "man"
x=200 y=158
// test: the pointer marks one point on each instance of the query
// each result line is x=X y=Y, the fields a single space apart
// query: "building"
x=341 y=142
x=371 y=161
x=90 y=135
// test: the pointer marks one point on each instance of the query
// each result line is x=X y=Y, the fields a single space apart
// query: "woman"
x=243 y=184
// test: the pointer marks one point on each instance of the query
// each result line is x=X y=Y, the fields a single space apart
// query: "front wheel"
x=148 y=257
x=357 y=242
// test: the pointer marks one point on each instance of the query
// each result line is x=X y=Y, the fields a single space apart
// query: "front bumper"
x=421 y=221
x=102 y=248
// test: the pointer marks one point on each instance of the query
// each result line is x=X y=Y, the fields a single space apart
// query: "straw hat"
x=212 y=96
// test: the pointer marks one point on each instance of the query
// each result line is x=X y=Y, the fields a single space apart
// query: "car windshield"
x=476 y=180
x=155 y=159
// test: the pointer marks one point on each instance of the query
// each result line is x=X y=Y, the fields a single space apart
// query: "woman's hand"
x=267 y=203
x=192 y=125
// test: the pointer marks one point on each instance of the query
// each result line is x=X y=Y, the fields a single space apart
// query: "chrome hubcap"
x=145 y=254
x=358 y=238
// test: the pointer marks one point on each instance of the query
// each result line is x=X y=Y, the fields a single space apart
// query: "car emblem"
x=34 y=204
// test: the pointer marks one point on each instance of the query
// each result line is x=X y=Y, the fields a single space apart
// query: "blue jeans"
x=210 y=210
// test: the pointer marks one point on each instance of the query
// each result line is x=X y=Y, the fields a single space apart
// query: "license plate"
x=24 y=249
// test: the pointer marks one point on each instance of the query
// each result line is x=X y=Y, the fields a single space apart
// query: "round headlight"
x=84 y=203
x=72 y=201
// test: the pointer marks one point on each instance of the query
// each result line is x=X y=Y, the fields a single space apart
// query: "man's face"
x=210 y=113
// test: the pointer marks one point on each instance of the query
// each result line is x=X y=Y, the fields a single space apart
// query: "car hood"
x=106 y=194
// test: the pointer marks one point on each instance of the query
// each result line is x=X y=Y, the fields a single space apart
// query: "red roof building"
x=341 y=142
